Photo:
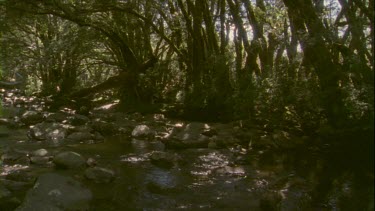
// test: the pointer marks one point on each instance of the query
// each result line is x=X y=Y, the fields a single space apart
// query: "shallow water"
x=207 y=179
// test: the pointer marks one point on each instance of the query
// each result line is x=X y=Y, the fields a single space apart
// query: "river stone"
x=163 y=159
x=4 y=121
x=56 y=192
x=189 y=136
x=4 y=192
x=12 y=156
x=99 y=175
x=39 y=160
x=4 y=134
x=79 y=136
x=57 y=117
x=142 y=131
x=40 y=152
x=52 y=133
x=105 y=128
x=22 y=175
x=31 y=117
x=69 y=160
x=15 y=186
x=78 y=119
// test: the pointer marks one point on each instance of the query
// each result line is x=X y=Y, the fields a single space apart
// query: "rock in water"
x=142 y=131
x=31 y=117
x=163 y=159
x=77 y=137
x=56 y=192
x=53 y=134
x=99 y=175
x=70 y=160
x=4 y=192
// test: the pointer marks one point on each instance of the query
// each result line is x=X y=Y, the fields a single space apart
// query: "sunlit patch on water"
x=206 y=164
x=234 y=171
x=258 y=184
x=161 y=177
x=7 y=169
x=201 y=173
x=211 y=161
x=133 y=158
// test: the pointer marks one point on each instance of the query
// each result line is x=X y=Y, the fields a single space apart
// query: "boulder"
x=78 y=119
x=57 y=117
x=12 y=157
x=22 y=175
x=31 y=117
x=91 y=162
x=4 y=192
x=52 y=133
x=142 y=131
x=69 y=159
x=99 y=175
x=56 y=192
x=189 y=136
x=15 y=186
x=39 y=152
x=79 y=137
x=5 y=121
x=39 y=157
x=105 y=128
x=163 y=159
x=4 y=134
x=40 y=160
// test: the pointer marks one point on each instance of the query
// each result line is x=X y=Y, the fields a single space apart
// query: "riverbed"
x=230 y=178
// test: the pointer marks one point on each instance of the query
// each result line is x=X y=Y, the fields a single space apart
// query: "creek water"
x=206 y=179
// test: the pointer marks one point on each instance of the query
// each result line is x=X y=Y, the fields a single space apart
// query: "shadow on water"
x=214 y=180
x=306 y=178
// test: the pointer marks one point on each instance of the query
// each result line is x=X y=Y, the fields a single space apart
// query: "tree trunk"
x=319 y=57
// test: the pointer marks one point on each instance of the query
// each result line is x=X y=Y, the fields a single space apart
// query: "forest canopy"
x=298 y=63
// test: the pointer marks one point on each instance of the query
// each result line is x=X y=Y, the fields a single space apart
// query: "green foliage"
x=220 y=69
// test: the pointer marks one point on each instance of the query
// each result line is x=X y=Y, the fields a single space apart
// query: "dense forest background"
x=300 y=63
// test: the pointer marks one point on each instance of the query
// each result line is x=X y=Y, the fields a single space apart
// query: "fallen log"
x=127 y=79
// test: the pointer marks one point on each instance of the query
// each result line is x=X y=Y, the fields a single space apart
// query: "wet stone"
x=69 y=159
x=79 y=136
x=40 y=152
x=78 y=119
x=57 y=117
x=4 y=121
x=56 y=192
x=3 y=134
x=31 y=117
x=99 y=175
x=14 y=157
x=52 y=133
x=15 y=185
x=40 y=160
x=21 y=176
x=4 y=192
x=163 y=159
x=91 y=162
x=142 y=131
x=9 y=203
x=106 y=128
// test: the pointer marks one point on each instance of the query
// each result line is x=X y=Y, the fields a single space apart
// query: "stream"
x=233 y=178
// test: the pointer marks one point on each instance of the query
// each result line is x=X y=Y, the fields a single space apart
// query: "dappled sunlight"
x=133 y=158
x=199 y=104
x=8 y=169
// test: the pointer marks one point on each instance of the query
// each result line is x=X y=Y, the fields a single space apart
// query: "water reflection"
x=211 y=178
